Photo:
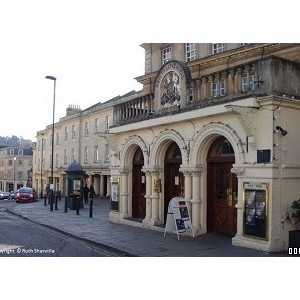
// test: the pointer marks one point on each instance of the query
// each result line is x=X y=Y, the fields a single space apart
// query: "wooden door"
x=138 y=186
x=173 y=179
x=221 y=192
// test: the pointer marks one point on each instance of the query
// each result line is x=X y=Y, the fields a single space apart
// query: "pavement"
x=128 y=240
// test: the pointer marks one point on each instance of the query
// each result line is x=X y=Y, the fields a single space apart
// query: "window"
x=97 y=127
x=106 y=153
x=107 y=123
x=218 y=89
x=66 y=133
x=11 y=151
x=65 y=156
x=165 y=54
x=20 y=175
x=248 y=83
x=56 y=160
x=86 y=129
x=218 y=48
x=20 y=152
x=86 y=152
x=20 y=162
x=191 y=95
x=72 y=155
x=96 y=153
x=73 y=132
x=190 y=52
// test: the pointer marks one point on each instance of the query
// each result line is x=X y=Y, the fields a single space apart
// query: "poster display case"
x=115 y=193
x=255 y=212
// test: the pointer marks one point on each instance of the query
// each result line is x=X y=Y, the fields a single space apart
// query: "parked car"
x=26 y=194
x=4 y=195
x=12 y=195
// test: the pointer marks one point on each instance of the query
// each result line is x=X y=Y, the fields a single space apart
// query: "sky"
x=93 y=49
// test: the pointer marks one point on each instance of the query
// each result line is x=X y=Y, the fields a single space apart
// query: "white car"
x=4 y=195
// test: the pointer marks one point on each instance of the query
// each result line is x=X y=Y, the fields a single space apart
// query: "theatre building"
x=216 y=124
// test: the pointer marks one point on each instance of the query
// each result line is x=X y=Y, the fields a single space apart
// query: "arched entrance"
x=173 y=179
x=221 y=188
x=138 y=186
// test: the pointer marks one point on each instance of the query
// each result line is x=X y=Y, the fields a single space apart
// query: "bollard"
x=77 y=204
x=91 y=208
x=55 y=202
x=45 y=198
x=66 y=204
x=51 y=200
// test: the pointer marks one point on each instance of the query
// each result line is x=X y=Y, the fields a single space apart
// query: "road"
x=23 y=238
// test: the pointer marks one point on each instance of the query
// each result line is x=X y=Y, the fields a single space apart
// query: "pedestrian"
x=92 y=192
x=86 y=191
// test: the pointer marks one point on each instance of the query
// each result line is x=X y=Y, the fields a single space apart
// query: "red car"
x=26 y=194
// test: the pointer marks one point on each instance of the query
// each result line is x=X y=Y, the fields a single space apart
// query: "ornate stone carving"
x=238 y=171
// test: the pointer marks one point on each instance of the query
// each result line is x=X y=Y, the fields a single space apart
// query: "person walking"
x=86 y=191
x=92 y=192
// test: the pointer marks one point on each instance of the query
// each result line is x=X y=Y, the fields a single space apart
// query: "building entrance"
x=221 y=189
x=138 y=186
x=173 y=179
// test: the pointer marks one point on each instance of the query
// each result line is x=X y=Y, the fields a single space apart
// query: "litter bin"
x=73 y=201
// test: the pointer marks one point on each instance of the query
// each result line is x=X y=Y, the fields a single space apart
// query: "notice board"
x=178 y=217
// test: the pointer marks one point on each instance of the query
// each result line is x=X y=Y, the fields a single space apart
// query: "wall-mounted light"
x=283 y=132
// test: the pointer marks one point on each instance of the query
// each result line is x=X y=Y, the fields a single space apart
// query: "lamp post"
x=14 y=175
x=52 y=150
x=42 y=159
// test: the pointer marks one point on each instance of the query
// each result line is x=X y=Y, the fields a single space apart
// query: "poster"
x=178 y=218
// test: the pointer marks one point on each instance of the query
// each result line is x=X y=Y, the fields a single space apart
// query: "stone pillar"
x=101 y=184
x=198 y=90
x=239 y=201
x=124 y=193
x=203 y=88
x=238 y=80
x=155 y=197
x=209 y=87
x=230 y=81
x=148 y=196
x=197 y=210
x=187 y=188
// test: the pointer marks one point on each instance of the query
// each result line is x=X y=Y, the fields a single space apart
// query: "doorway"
x=221 y=188
x=173 y=179
x=138 y=186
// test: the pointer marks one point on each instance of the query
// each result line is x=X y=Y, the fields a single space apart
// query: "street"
x=23 y=238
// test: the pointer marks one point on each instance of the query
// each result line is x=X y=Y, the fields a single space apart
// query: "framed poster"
x=115 y=193
x=255 y=212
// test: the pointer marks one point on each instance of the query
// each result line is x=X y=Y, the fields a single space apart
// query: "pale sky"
x=93 y=49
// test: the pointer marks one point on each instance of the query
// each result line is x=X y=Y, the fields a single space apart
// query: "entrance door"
x=138 y=186
x=221 y=189
x=173 y=179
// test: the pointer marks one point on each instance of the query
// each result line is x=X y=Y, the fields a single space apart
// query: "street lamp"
x=14 y=190
x=52 y=150
x=42 y=159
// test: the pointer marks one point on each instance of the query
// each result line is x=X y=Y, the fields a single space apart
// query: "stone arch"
x=129 y=148
x=163 y=141
x=207 y=134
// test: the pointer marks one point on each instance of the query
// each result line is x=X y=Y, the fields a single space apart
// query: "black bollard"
x=91 y=208
x=77 y=204
x=45 y=198
x=66 y=204
x=51 y=200
x=55 y=202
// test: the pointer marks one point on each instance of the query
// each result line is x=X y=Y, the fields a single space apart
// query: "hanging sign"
x=178 y=217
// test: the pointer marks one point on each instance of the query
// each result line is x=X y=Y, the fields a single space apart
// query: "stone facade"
x=216 y=125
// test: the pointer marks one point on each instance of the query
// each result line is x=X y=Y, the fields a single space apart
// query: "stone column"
x=196 y=201
x=187 y=188
x=148 y=196
x=124 y=193
x=230 y=89
x=239 y=201
x=203 y=95
x=155 y=197
x=209 y=87
x=101 y=186
x=238 y=80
